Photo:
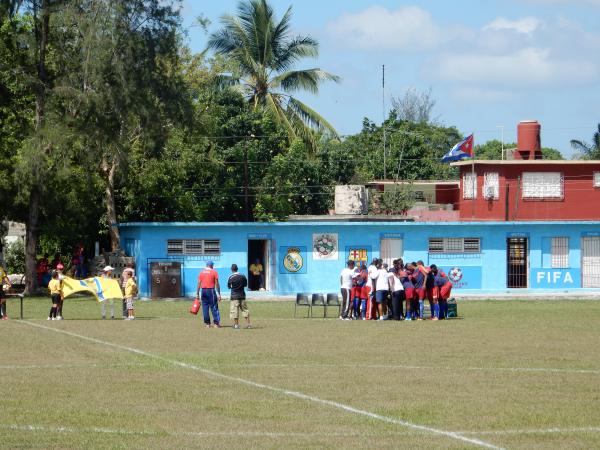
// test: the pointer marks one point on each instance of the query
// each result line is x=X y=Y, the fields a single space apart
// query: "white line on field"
x=400 y=366
x=67 y=366
x=266 y=387
x=56 y=429
x=535 y=431
x=102 y=430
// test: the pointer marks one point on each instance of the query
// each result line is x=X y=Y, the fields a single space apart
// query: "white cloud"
x=505 y=55
x=406 y=28
x=526 y=25
x=530 y=67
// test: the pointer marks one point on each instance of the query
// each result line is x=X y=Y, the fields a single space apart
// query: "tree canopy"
x=264 y=53
x=108 y=116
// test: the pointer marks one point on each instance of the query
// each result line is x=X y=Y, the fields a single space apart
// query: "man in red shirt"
x=208 y=282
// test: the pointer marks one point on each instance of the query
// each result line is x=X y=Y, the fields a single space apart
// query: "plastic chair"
x=302 y=300
x=318 y=300
x=333 y=300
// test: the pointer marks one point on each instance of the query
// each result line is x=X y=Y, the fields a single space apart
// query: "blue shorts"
x=380 y=296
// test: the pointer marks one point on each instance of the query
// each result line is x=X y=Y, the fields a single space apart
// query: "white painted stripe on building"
x=287 y=392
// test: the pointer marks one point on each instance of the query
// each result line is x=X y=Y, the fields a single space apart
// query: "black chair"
x=302 y=300
x=333 y=300
x=318 y=300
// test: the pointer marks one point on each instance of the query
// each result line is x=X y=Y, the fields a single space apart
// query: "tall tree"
x=35 y=154
x=590 y=151
x=125 y=91
x=264 y=53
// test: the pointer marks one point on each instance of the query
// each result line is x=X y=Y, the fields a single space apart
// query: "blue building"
x=307 y=256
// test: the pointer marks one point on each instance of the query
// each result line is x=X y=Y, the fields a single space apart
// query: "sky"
x=488 y=63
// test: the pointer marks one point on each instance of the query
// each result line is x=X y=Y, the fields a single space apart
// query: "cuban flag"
x=464 y=149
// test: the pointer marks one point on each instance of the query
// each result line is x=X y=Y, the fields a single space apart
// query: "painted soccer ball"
x=455 y=274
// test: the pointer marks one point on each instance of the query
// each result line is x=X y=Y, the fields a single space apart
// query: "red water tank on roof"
x=528 y=140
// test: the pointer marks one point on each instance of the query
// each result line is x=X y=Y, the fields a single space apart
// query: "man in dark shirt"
x=236 y=283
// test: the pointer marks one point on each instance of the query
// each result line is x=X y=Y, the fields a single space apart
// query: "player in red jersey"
x=444 y=288
x=208 y=281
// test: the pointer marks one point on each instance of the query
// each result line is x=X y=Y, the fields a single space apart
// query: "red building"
x=529 y=187
x=529 y=190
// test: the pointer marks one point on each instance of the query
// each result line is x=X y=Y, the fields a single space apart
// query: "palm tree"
x=264 y=54
x=589 y=151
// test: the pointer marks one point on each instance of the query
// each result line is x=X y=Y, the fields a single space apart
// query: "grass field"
x=506 y=374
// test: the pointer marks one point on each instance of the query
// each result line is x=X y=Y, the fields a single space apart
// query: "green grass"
x=468 y=375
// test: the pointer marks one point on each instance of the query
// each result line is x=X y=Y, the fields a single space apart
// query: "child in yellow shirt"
x=55 y=287
x=131 y=291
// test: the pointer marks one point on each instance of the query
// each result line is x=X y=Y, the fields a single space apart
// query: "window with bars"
x=454 y=245
x=491 y=186
x=194 y=247
x=542 y=185
x=469 y=185
x=597 y=179
x=560 y=252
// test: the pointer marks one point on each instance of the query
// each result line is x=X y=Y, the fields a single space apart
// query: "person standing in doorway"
x=257 y=272
x=236 y=283
x=209 y=292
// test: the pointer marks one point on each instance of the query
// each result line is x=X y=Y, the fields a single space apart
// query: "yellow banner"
x=101 y=288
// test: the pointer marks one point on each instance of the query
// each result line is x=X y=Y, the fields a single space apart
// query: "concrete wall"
x=482 y=272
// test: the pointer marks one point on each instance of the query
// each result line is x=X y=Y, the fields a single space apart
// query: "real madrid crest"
x=293 y=261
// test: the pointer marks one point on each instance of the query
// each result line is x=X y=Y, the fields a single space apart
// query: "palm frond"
x=275 y=107
x=580 y=145
x=307 y=80
x=309 y=116
x=290 y=52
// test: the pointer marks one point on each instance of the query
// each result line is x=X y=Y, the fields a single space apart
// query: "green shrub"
x=15 y=257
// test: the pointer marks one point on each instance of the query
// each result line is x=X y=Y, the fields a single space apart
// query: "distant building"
x=518 y=225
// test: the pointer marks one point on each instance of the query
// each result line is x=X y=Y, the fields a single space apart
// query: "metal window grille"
x=491 y=186
x=175 y=247
x=454 y=245
x=212 y=247
x=472 y=245
x=469 y=185
x=436 y=245
x=194 y=247
x=590 y=262
x=517 y=262
x=597 y=179
x=543 y=185
x=560 y=252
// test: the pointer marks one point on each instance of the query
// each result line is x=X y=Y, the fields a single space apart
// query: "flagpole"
x=474 y=179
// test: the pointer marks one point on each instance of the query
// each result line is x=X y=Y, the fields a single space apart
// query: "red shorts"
x=420 y=293
x=431 y=293
x=445 y=291
x=355 y=292
x=410 y=293
x=364 y=293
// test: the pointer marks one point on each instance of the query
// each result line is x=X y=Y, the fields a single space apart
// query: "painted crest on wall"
x=358 y=253
x=325 y=246
x=292 y=260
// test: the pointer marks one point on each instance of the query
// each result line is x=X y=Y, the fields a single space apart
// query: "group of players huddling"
x=380 y=293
